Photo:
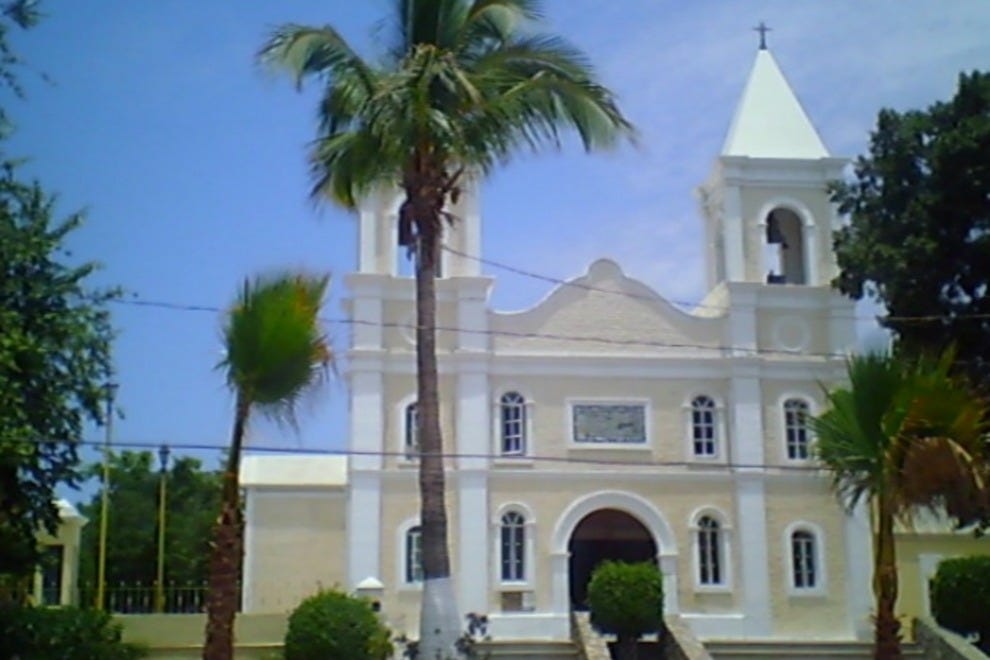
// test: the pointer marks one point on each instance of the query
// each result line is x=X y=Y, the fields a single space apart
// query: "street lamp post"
x=101 y=565
x=162 y=499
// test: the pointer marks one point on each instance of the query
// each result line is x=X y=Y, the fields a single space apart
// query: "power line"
x=687 y=304
x=133 y=444
x=609 y=341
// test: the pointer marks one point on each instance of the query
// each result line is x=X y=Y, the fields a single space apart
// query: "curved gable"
x=604 y=312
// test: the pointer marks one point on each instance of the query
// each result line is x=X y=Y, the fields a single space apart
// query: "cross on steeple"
x=762 y=29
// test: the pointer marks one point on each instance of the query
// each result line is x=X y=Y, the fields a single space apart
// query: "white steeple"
x=768 y=216
x=769 y=121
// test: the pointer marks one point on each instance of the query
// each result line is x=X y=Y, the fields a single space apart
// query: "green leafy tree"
x=919 y=233
x=54 y=364
x=626 y=600
x=462 y=87
x=14 y=14
x=959 y=594
x=903 y=435
x=192 y=499
x=275 y=353
x=54 y=343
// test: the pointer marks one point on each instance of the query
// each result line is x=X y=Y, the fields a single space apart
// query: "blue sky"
x=190 y=160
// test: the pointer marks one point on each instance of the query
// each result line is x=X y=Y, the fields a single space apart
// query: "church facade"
x=602 y=423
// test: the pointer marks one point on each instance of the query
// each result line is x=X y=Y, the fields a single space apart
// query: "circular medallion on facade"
x=791 y=333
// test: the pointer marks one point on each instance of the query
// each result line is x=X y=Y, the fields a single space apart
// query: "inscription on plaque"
x=609 y=424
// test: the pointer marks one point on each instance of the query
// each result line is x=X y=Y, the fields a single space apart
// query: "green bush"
x=335 y=626
x=627 y=601
x=960 y=593
x=62 y=633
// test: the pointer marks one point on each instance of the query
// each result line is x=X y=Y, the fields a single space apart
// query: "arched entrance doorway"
x=601 y=535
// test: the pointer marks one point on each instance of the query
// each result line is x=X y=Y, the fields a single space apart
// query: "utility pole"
x=163 y=453
x=101 y=566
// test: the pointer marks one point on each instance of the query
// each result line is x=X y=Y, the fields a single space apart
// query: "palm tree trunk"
x=225 y=560
x=887 y=644
x=439 y=619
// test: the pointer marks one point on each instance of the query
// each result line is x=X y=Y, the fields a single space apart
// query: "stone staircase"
x=800 y=650
x=532 y=650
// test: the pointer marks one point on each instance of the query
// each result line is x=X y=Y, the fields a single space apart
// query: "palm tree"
x=903 y=435
x=464 y=85
x=275 y=353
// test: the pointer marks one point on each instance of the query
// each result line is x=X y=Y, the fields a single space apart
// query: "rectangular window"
x=51 y=575
x=513 y=547
x=803 y=548
x=414 y=556
x=609 y=424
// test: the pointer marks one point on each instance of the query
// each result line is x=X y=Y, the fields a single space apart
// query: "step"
x=800 y=650
x=531 y=650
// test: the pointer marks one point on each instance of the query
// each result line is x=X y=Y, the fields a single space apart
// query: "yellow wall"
x=298 y=545
x=910 y=551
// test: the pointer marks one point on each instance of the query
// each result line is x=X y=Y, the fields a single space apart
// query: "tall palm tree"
x=463 y=86
x=903 y=435
x=275 y=353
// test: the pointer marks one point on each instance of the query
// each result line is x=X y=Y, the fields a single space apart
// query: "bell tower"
x=768 y=218
x=379 y=252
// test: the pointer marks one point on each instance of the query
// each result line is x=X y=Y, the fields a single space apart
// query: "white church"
x=658 y=435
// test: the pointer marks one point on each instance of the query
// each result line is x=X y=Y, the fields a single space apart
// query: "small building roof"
x=769 y=121
x=294 y=471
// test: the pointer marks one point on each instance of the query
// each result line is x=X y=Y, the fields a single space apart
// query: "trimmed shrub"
x=626 y=600
x=335 y=626
x=62 y=633
x=960 y=593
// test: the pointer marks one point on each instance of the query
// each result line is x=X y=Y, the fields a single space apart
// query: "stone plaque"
x=609 y=424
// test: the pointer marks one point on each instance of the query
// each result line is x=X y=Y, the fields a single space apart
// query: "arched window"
x=414 y=556
x=796 y=429
x=804 y=558
x=411 y=435
x=513 y=544
x=512 y=418
x=710 y=569
x=703 y=426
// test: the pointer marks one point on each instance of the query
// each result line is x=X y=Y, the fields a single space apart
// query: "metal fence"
x=140 y=598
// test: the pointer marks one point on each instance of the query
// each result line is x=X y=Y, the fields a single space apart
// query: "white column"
x=741 y=329
x=733 y=225
x=560 y=589
x=364 y=526
x=473 y=555
x=473 y=428
x=746 y=418
x=668 y=567
x=466 y=234
x=367 y=421
x=368 y=238
x=366 y=332
x=755 y=573
x=859 y=551
x=811 y=256
x=364 y=503
x=472 y=315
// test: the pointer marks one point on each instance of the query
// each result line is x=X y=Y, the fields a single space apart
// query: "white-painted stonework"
x=603 y=422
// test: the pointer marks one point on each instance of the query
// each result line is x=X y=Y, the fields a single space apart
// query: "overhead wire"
x=134 y=444
x=611 y=341
x=682 y=303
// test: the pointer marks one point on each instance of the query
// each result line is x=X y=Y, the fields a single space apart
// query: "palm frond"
x=275 y=348
x=909 y=432
x=489 y=24
x=307 y=51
